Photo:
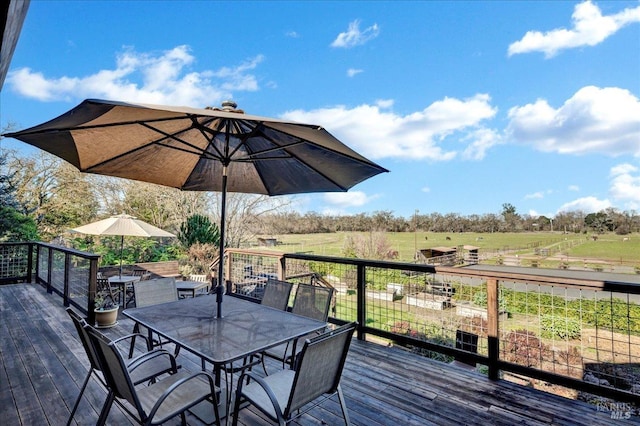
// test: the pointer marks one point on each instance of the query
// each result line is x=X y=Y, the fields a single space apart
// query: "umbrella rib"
x=91 y=127
x=194 y=149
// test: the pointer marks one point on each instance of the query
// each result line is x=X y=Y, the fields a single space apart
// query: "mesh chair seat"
x=196 y=388
x=279 y=384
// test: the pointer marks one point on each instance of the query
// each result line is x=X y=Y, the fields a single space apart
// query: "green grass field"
x=608 y=247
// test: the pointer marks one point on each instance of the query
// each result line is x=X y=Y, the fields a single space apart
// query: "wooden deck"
x=42 y=365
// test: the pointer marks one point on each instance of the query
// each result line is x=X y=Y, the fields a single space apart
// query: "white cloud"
x=480 y=142
x=590 y=28
x=575 y=188
x=594 y=120
x=377 y=132
x=534 y=195
x=354 y=37
x=342 y=200
x=161 y=78
x=425 y=189
x=351 y=72
x=292 y=34
x=625 y=185
x=586 y=205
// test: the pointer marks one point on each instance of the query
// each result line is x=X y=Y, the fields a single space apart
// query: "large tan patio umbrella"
x=208 y=149
x=122 y=225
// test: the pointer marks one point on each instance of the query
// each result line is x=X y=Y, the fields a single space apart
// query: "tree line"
x=42 y=197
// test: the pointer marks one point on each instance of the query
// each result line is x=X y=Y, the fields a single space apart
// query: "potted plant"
x=106 y=311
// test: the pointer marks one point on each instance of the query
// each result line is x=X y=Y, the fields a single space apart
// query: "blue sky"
x=469 y=104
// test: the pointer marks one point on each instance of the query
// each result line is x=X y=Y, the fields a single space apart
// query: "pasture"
x=607 y=247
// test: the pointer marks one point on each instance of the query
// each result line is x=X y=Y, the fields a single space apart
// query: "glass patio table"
x=245 y=329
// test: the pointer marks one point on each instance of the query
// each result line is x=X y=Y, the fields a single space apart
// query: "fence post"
x=362 y=300
x=493 y=315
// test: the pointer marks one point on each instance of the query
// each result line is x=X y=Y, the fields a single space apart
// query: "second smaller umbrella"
x=122 y=225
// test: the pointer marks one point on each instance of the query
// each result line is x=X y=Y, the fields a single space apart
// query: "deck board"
x=43 y=365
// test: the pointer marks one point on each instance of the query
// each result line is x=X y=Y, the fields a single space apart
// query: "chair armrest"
x=259 y=381
x=134 y=336
x=152 y=355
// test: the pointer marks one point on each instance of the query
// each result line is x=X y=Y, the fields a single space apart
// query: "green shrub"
x=198 y=229
x=480 y=299
x=560 y=327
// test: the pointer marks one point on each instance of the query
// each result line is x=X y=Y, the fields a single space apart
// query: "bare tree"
x=243 y=214
x=54 y=193
x=162 y=206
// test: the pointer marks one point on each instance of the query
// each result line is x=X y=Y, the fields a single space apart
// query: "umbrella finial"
x=227 y=106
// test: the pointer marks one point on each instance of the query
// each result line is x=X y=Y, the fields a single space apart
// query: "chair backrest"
x=276 y=294
x=319 y=366
x=313 y=301
x=201 y=278
x=79 y=323
x=104 y=289
x=114 y=368
x=153 y=292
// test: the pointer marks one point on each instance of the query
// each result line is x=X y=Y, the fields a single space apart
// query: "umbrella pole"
x=121 y=249
x=223 y=214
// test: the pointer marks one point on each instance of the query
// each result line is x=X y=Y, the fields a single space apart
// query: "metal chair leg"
x=75 y=406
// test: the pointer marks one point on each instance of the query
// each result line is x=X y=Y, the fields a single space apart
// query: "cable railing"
x=68 y=273
x=579 y=335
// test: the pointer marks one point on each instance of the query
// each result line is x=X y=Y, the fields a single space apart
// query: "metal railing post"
x=67 y=270
x=49 y=269
x=361 y=300
x=30 y=261
x=93 y=281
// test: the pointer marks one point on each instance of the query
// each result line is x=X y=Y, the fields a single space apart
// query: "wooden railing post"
x=493 y=315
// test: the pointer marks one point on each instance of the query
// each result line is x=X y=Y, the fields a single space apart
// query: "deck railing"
x=68 y=273
x=581 y=334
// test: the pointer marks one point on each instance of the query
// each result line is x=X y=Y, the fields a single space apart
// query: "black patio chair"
x=154 y=292
x=157 y=403
x=277 y=294
x=143 y=368
x=311 y=302
x=288 y=394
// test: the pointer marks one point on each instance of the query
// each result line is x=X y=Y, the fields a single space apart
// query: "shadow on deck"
x=42 y=365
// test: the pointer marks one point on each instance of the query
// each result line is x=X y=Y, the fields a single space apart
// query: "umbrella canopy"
x=208 y=149
x=122 y=225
